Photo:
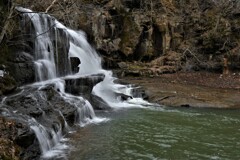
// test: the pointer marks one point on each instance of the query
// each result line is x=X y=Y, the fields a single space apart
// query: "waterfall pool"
x=160 y=133
x=135 y=130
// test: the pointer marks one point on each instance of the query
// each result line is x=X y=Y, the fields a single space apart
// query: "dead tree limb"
x=188 y=50
x=49 y=7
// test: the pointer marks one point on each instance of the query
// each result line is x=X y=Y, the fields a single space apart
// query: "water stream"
x=141 y=132
x=54 y=45
x=158 y=133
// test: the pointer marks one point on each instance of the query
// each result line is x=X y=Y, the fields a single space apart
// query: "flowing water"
x=160 y=134
x=141 y=132
x=54 y=45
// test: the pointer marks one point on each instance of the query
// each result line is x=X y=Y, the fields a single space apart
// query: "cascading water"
x=52 y=62
x=44 y=50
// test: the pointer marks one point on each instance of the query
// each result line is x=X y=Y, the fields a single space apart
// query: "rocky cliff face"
x=166 y=35
x=200 y=32
x=142 y=37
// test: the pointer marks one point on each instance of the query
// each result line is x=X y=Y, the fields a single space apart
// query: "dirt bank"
x=201 y=89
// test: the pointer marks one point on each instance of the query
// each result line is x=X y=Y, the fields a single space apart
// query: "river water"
x=160 y=133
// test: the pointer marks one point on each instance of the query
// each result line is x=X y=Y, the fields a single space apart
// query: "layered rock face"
x=200 y=32
x=44 y=107
x=141 y=37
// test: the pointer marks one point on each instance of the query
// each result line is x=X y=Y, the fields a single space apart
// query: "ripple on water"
x=151 y=134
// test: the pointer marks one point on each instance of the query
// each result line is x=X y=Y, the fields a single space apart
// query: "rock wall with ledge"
x=201 y=32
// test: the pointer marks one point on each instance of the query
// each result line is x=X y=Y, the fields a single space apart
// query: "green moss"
x=136 y=67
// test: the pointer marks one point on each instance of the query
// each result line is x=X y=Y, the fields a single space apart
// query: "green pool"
x=160 y=133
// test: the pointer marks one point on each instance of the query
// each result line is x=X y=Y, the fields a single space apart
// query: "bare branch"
x=49 y=7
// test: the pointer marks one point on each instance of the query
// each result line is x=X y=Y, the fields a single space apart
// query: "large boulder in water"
x=98 y=103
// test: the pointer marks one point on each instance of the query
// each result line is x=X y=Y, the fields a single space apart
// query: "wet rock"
x=139 y=92
x=7 y=84
x=61 y=55
x=75 y=62
x=17 y=140
x=98 y=103
x=56 y=101
x=22 y=68
x=82 y=85
x=46 y=102
x=123 y=97
x=25 y=138
x=47 y=106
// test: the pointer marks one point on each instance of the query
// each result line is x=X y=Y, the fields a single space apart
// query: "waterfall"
x=52 y=64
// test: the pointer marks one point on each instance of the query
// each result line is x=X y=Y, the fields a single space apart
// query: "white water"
x=1 y=73
x=46 y=73
x=44 y=50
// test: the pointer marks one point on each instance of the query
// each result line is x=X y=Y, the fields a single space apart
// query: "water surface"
x=160 y=134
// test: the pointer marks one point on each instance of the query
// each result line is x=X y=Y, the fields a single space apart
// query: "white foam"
x=1 y=73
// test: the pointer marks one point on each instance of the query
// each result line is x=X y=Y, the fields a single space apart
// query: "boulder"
x=139 y=92
x=21 y=67
x=17 y=140
x=98 y=103
x=82 y=85
x=7 y=84
x=47 y=106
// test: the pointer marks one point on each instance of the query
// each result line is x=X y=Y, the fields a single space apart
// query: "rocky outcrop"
x=47 y=107
x=7 y=84
x=21 y=66
x=44 y=106
x=17 y=140
x=201 y=32
x=83 y=85
x=167 y=63
x=98 y=103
